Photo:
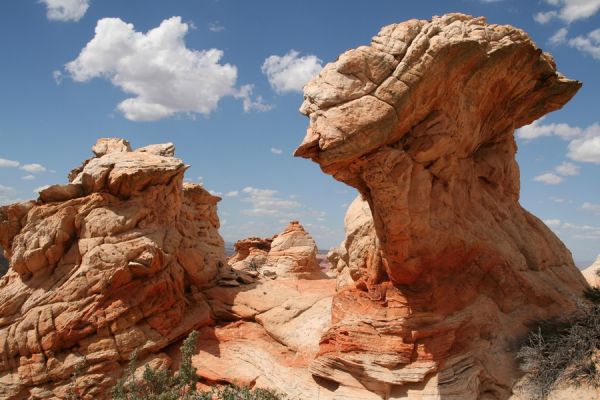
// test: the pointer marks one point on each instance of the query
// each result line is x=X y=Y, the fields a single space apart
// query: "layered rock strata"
x=115 y=260
x=421 y=123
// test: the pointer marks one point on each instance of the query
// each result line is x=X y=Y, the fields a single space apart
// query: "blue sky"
x=222 y=80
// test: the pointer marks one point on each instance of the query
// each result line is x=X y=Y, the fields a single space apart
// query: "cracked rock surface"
x=421 y=123
x=112 y=262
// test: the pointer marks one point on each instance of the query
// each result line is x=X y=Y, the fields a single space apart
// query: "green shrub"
x=562 y=352
x=161 y=385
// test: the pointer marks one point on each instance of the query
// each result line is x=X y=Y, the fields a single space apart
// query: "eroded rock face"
x=359 y=251
x=421 y=123
x=112 y=262
x=250 y=253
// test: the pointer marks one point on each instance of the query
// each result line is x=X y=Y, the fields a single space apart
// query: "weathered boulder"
x=112 y=262
x=359 y=249
x=292 y=254
x=421 y=123
x=250 y=253
x=592 y=273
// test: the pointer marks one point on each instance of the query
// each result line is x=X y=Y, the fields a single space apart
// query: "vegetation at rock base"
x=162 y=385
x=563 y=352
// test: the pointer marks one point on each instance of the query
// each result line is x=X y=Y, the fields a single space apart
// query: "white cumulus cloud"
x=163 y=76
x=275 y=150
x=66 y=10
x=568 y=10
x=290 y=72
x=549 y=178
x=233 y=193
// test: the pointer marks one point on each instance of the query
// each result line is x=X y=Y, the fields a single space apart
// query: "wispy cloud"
x=591 y=207
x=567 y=169
x=57 y=76
x=267 y=202
x=33 y=168
x=549 y=178
x=4 y=163
x=215 y=26
x=275 y=150
x=559 y=37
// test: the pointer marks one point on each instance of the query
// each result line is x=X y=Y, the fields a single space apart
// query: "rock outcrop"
x=250 y=253
x=592 y=273
x=292 y=254
x=115 y=260
x=421 y=123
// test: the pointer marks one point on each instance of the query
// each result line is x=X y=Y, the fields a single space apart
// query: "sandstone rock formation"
x=592 y=273
x=421 y=123
x=250 y=253
x=113 y=261
x=291 y=254
x=360 y=247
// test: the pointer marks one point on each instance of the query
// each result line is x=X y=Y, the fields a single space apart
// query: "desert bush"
x=162 y=385
x=562 y=352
